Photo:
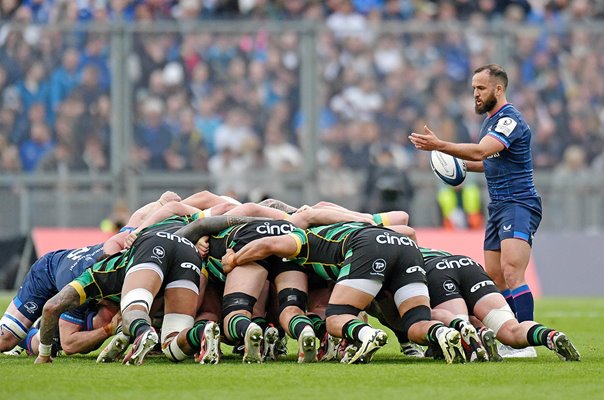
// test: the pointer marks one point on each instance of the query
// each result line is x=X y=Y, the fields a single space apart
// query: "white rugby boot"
x=369 y=346
x=470 y=338
x=252 y=341
x=487 y=337
x=449 y=340
x=114 y=350
x=328 y=349
x=271 y=336
x=307 y=346
x=209 y=352
x=412 y=349
x=142 y=345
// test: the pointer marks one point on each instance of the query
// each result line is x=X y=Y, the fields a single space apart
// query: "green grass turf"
x=389 y=375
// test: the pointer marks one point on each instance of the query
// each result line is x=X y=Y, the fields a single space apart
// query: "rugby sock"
x=138 y=327
x=351 y=330
x=26 y=343
x=432 y=333
x=525 y=305
x=237 y=326
x=507 y=294
x=297 y=324
x=318 y=325
x=195 y=333
x=400 y=336
x=261 y=321
x=457 y=324
x=539 y=335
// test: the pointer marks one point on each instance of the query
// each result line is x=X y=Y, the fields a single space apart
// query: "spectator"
x=37 y=147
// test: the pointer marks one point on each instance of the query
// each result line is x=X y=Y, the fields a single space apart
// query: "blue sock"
x=26 y=343
x=525 y=305
x=507 y=294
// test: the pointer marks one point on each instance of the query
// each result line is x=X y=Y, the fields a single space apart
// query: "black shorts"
x=385 y=256
x=456 y=277
x=176 y=257
x=177 y=260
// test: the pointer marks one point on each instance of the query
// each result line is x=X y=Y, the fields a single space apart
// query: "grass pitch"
x=389 y=376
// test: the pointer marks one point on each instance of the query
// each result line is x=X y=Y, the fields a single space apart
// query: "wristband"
x=44 y=350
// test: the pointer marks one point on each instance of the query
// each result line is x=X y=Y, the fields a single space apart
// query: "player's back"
x=68 y=264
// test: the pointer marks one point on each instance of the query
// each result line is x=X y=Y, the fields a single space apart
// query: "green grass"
x=390 y=375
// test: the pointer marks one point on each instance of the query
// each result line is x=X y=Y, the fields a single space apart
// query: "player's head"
x=489 y=83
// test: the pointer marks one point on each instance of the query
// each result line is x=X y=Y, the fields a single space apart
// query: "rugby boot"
x=15 y=351
x=114 y=350
x=307 y=346
x=369 y=346
x=252 y=341
x=142 y=345
x=511 y=352
x=487 y=337
x=328 y=348
x=347 y=351
x=470 y=341
x=564 y=349
x=209 y=352
x=271 y=336
x=449 y=340
x=411 y=349
x=281 y=346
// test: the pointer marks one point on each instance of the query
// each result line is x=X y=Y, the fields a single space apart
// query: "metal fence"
x=314 y=73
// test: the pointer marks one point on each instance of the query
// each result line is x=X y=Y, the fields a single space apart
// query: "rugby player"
x=504 y=155
x=459 y=286
x=158 y=261
x=243 y=287
x=361 y=258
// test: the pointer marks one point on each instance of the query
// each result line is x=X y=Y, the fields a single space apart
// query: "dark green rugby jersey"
x=323 y=248
x=104 y=279
x=429 y=254
x=218 y=246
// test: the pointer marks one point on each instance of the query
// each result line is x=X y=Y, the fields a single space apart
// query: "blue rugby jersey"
x=67 y=265
x=509 y=173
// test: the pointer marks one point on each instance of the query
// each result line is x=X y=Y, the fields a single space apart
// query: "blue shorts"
x=38 y=287
x=512 y=219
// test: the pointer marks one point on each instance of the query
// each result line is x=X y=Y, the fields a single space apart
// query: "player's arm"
x=284 y=246
x=278 y=204
x=326 y=216
x=75 y=340
x=204 y=199
x=115 y=243
x=67 y=299
x=211 y=225
x=404 y=230
x=466 y=151
x=139 y=215
x=257 y=210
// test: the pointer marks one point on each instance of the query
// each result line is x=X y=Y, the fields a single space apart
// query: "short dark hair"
x=496 y=71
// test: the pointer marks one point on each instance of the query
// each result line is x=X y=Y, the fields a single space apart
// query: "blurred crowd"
x=228 y=103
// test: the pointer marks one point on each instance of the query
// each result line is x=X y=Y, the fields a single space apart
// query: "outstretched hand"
x=203 y=246
x=426 y=140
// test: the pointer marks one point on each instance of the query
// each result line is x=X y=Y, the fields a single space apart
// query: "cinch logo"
x=188 y=265
x=415 y=268
x=386 y=238
x=460 y=262
x=268 y=229
x=481 y=285
x=179 y=239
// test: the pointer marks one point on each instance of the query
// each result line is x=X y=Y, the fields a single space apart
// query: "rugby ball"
x=451 y=170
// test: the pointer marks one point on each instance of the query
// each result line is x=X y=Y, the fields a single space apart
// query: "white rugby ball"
x=451 y=170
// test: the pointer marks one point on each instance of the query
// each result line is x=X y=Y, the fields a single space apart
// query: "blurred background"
x=105 y=104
